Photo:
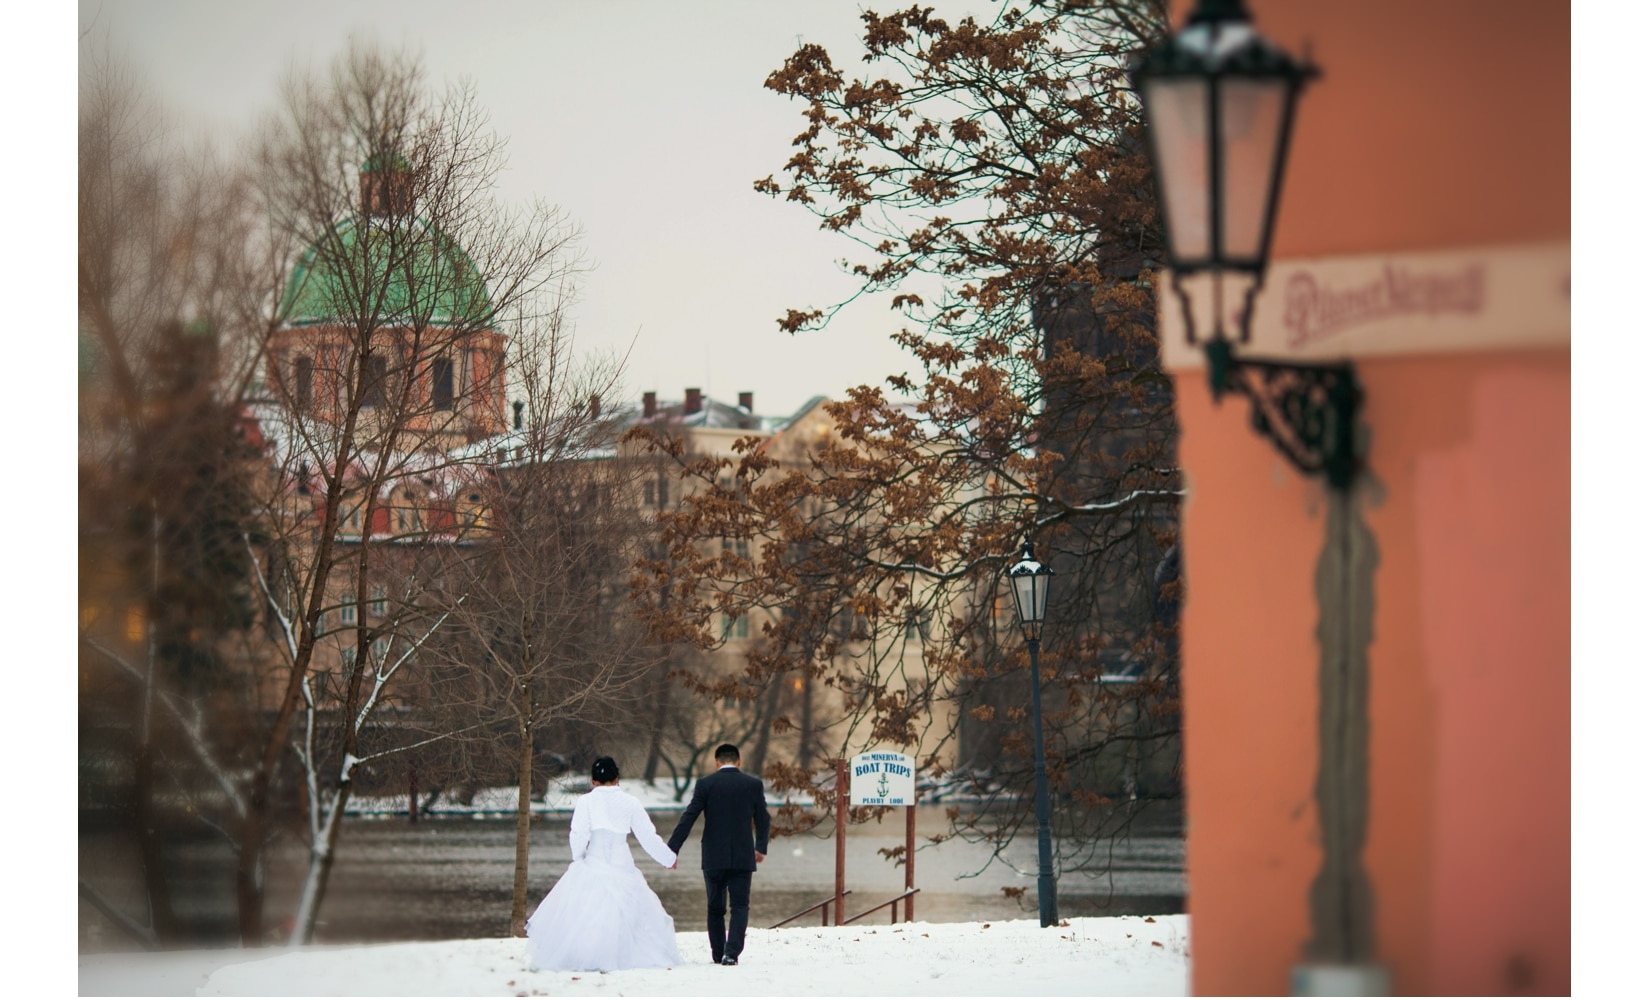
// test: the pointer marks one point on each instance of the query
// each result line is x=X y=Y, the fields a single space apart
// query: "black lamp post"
x=1219 y=101
x=1029 y=579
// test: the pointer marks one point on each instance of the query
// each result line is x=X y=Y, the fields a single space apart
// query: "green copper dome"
x=405 y=272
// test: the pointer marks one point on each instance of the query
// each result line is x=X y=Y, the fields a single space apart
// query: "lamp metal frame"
x=1307 y=410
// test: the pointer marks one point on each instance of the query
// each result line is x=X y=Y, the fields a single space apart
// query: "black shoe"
x=729 y=960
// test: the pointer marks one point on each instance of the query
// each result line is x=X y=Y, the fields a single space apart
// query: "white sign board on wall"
x=881 y=778
x=1328 y=308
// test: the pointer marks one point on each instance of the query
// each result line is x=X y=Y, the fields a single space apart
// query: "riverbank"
x=1087 y=956
x=563 y=793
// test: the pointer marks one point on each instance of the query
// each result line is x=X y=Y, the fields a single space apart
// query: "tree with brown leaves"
x=994 y=180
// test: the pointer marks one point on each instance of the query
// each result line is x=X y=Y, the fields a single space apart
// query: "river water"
x=451 y=878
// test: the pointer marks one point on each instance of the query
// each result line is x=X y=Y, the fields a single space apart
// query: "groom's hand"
x=759 y=857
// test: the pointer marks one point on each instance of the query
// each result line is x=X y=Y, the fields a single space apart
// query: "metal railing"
x=893 y=910
x=824 y=914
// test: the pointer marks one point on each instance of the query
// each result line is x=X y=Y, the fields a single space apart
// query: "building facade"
x=1377 y=685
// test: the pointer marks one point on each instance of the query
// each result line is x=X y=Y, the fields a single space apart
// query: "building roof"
x=422 y=275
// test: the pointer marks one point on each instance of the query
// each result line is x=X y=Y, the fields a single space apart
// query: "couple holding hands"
x=602 y=916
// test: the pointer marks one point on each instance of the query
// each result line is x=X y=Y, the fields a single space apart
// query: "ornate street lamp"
x=1219 y=100
x=1029 y=580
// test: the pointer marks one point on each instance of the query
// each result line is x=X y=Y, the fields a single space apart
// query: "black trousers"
x=722 y=887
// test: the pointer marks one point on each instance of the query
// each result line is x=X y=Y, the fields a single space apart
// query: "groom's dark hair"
x=727 y=753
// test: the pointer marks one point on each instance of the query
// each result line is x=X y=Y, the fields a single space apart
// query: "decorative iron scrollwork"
x=1308 y=411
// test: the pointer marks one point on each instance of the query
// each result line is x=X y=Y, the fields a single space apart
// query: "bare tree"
x=388 y=352
x=543 y=638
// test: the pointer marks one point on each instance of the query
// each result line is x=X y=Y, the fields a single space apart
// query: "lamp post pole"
x=1028 y=580
x=1048 y=909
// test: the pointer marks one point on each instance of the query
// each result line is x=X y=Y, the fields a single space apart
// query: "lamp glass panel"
x=1251 y=124
x=1178 y=110
x=1025 y=597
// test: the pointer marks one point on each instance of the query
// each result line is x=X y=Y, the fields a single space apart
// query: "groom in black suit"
x=734 y=805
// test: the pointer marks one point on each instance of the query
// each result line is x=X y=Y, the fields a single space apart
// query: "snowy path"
x=1094 y=956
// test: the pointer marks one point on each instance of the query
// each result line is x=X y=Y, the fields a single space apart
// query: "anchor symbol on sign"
x=882 y=786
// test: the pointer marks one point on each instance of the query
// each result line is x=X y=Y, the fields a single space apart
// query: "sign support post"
x=910 y=860
x=841 y=834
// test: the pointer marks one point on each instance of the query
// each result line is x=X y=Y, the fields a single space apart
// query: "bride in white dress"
x=601 y=915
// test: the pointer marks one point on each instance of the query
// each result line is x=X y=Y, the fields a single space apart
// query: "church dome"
x=416 y=273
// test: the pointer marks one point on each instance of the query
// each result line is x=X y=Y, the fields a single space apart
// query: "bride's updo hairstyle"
x=604 y=770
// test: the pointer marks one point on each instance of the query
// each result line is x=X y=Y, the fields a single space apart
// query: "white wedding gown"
x=601 y=915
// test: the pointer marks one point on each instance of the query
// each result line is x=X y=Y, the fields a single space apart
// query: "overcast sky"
x=645 y=120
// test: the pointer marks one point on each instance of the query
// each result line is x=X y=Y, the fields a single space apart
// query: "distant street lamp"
x=1219 y=100
x=1029 y=579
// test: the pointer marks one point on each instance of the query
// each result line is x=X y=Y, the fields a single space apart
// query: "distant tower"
x=425 y=308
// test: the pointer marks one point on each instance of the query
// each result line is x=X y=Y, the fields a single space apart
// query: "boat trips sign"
x=879 y=778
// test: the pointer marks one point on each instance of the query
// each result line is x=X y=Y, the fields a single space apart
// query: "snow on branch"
x=269 y=599
x=414 y=746
x=383 y=675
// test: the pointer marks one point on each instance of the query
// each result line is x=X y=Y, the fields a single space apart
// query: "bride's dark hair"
x=604 y=770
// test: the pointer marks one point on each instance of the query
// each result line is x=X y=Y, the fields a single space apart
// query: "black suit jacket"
x=734 y=806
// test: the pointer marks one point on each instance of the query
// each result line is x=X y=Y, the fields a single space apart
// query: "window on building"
x=737 y=627
x=647 y=494
x=380 y=602
x=346 y=614
x=377 y=375
x=347 y=657
x=916 y=626
x=303 y=383
x=441 y=383
x=380 y=649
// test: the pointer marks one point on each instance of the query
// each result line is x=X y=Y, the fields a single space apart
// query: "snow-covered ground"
x=1089 y=956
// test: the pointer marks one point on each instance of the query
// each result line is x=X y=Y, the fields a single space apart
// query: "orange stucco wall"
x=1435 y=125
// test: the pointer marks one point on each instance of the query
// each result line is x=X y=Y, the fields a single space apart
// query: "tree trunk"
x=805 y=745
x=161 y=919
x=661 y=713
x=524 y=810
x=764 y=727
x=321 y=853
x=143 y=784
x=249 y=871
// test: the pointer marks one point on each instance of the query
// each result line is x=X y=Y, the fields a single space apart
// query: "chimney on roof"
x=650 y=405
x=745 y=401
x=518 y=404
x=693 y=403
x=595 y=405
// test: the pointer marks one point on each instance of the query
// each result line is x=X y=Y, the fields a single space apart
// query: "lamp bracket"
x=1308 y=411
